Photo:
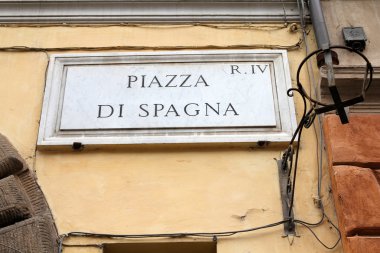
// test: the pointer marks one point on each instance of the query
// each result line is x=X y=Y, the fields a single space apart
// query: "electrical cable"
x=320 y=143
x=177 y=235
x=99 y=246
x=244 y=26
x=107 y=48
x=318 y=239
x=313 y=87
x=167 y=235
x=283 y=8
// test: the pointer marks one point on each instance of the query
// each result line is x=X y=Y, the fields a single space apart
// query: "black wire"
x=198 y=234
x=300 y=125
x=295 y=173
x=99 y=246
x=169 y=235
x=311 y=224
x=316 y=237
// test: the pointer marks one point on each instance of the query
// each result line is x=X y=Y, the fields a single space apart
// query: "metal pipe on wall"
x=323 y=42
x=319 y=24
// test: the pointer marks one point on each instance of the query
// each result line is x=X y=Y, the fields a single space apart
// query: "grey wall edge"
x=82 y=11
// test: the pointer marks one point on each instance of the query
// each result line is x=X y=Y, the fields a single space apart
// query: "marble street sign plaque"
x=169 y=97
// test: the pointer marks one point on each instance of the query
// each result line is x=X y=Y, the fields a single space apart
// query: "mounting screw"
x=262 y=143
x=293 y=28
x=77 y=146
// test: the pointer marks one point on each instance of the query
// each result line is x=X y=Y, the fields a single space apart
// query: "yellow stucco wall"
x=159 y=188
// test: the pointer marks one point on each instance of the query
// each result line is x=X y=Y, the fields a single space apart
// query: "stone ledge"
x=363 y=244
x=128 y=11
x=356 y=143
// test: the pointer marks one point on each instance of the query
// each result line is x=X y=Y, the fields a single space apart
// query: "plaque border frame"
x=50 y=134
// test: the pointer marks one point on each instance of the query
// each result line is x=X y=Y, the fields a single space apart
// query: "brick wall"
x=354 y=165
